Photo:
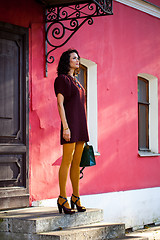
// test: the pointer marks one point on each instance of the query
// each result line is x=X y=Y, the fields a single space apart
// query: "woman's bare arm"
x=66 y=130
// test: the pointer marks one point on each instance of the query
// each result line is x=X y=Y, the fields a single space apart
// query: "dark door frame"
x=19 y=196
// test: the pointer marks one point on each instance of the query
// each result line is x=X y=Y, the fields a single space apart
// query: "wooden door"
x=14 y=158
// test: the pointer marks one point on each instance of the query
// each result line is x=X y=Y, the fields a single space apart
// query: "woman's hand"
x=67 y=134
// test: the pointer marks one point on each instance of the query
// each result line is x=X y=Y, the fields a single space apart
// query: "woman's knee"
x=68 y=151
x=78 y=149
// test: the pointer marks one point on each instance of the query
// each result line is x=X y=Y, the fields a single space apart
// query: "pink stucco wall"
x=122 y=46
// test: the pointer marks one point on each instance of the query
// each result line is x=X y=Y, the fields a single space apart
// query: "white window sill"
x=148 y=154
x=97 y=154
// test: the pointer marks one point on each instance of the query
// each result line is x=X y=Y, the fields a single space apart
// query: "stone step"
x=149 y=232
x=44 y=219
x=98 y=231
x=132 y=238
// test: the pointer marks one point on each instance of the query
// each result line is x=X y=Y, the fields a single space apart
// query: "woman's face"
x=74 y=61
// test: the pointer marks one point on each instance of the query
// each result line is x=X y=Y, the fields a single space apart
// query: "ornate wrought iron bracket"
x=62 y=22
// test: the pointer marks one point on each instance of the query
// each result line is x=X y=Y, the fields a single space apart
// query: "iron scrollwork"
x=105 y=5
x=63 y=21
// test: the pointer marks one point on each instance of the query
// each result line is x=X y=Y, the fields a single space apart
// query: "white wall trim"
x=142 y=6
x=135 y=208
x=92 y=102
x=153 y=111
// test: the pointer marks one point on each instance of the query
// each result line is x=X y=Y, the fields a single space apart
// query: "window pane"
x=142 y=91
x=143 y=126
x=81 y=77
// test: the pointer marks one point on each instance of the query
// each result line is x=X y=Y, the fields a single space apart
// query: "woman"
x=71 y=106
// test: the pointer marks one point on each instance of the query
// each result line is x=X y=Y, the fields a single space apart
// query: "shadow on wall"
x=57 y=162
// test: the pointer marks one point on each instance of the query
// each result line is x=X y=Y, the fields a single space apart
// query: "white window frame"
x=143 y=6
x=153 y=115
x=92 y=102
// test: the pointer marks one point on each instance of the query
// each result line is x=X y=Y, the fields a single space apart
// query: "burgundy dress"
x=74 y=105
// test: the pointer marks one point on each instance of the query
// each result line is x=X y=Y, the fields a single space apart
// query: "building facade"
x=120 y=58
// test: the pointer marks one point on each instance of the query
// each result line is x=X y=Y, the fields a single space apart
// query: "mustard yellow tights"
x=72 y=153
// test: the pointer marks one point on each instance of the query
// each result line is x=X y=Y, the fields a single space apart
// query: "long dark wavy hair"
x=64 y=62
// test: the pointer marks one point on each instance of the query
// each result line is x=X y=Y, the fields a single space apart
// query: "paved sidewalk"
x=149 y=233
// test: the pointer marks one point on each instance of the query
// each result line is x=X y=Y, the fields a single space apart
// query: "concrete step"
x=98 y=231
x=132 y=238
x=45 y=223
x=44 y=219
x=149 y=232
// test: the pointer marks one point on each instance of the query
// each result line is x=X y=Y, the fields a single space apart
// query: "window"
x=82 y=78
x=88 y=77
x=143 y=114
x=147 y=115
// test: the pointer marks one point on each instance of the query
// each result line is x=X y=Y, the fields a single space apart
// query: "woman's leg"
x=68 y=151
x=75 y=169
